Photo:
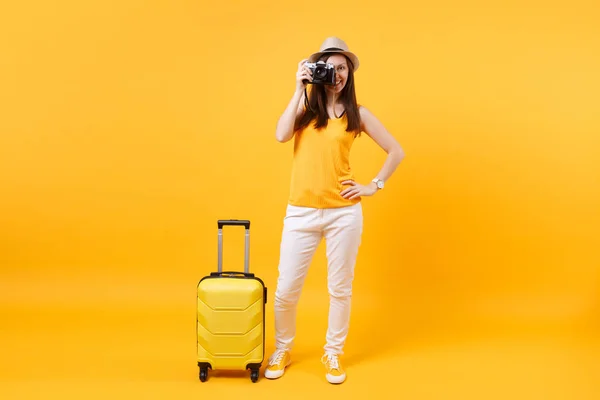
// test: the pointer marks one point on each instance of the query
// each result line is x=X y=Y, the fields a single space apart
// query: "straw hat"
x=335 y=45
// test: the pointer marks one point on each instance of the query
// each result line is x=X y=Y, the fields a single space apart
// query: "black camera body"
x=322 y=73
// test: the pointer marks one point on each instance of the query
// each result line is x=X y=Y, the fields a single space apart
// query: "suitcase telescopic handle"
x=233 y=273
x=233 y=222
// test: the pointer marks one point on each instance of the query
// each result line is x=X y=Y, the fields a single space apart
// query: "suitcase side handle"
x=233 y=222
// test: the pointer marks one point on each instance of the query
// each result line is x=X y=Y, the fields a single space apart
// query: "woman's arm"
x=375 y=129
x=287 y=121
x=395 y=154
x=285 y=124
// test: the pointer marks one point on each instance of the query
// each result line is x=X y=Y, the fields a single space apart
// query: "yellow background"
x=129 y=127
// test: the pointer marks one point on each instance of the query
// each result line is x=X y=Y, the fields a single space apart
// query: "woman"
x=324 y=199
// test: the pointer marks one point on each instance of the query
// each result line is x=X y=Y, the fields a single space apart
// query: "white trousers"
x=303 y=230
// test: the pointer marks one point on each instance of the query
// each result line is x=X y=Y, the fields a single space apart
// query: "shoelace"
x=277 y=357
x=331 y=360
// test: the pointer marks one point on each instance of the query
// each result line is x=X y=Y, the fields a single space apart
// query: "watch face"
x=380 y=184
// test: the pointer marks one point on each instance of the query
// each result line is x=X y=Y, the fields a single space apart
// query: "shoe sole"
x=335 y=379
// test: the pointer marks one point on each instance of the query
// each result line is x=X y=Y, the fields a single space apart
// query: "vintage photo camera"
x=322 y=73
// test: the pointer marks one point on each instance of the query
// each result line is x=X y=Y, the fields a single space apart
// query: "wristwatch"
x=378 y=182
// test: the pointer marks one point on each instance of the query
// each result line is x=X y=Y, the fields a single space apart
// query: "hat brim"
x=351 y=56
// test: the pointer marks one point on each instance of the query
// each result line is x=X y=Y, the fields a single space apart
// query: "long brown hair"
x=316 y=107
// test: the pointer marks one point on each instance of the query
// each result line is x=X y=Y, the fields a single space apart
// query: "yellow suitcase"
x=231 y=315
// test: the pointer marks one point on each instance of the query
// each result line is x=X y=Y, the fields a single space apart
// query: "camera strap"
x=306 y=103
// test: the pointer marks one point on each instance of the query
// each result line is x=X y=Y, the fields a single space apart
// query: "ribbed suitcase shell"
x=231 y=320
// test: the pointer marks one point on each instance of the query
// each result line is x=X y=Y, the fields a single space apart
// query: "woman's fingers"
x=305 y=75
x=347 y=190
x=346 y=193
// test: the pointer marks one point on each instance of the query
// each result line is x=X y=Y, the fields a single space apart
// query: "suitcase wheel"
x=254 y=375
x=254 y=371
x=203 y=373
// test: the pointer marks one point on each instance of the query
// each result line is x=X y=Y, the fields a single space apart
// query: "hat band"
x=333 y=48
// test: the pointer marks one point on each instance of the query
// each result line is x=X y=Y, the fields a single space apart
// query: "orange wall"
x=129 y=128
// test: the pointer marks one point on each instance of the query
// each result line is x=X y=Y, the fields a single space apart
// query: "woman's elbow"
x=398 y=153
x=282 y=137
x=401 y=155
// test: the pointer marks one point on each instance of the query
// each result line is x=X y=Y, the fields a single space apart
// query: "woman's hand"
x=357 y=190
x=303 y=74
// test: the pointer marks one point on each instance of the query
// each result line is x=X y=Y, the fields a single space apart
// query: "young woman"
x=324 y=199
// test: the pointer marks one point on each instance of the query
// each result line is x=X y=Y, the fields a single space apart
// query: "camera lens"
x=320 y=72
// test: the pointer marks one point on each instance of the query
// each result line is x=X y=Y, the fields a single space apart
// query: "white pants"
x=302 y=231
